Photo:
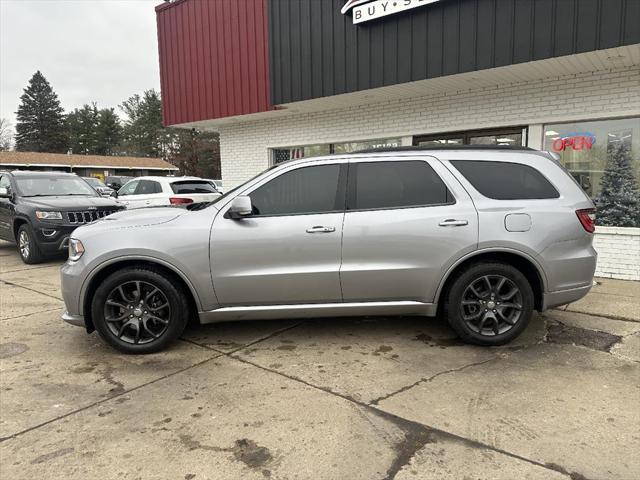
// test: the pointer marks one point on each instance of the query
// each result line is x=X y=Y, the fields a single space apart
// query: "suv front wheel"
x=139 y=310
x=490 y=304
x=28 y=245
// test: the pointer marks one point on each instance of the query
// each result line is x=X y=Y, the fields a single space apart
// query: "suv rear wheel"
x=490 y=304
x=28 y=246
x=139 y=310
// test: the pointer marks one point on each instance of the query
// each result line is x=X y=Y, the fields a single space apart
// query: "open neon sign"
x=574 y=141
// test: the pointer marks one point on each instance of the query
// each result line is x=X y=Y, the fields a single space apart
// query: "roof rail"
x=445 y=147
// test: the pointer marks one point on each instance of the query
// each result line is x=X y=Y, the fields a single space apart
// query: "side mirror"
x=114 y=194
x=4 y=192
x=240 y=207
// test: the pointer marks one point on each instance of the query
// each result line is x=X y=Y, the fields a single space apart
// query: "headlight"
x=48 y=215
x=76 y=249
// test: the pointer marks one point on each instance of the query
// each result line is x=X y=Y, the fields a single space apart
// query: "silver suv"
x=481 y=235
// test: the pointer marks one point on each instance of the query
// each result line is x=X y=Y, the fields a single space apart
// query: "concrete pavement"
x=323 y=399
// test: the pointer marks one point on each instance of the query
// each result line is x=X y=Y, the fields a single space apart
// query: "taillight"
x=180 y=200
x=587 y=217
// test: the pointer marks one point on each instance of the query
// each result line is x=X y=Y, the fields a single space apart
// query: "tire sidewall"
x=175 y=297
x=454 y=315
x=34 y=251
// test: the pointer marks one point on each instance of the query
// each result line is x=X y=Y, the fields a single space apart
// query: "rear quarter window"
x=506 y=180
x=192 y=187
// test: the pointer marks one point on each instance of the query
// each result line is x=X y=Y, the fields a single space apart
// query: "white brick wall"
x=245 y=146
x=618 y=252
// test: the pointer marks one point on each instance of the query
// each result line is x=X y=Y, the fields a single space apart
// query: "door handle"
x=321 y=229
x=450 y=222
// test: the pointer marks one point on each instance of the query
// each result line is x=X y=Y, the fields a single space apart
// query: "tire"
x=28 y=247
x=128 y=325
x=484 y=319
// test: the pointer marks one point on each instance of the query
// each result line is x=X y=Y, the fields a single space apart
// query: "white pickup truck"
x=143 y=192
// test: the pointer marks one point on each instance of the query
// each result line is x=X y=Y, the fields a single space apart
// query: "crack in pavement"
x=30 y=289
x=603 y=315
x=242 y=347
x=28 y=269
x=118 y=392
x=29 y=314
x=416 y=434
x=431 y=378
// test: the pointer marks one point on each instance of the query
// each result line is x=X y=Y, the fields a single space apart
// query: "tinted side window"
x=395 y=184
x=146 y=187
x=305 y=190
x=505 y=180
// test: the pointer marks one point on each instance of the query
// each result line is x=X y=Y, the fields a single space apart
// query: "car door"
x=126 y=194
x=288 y=250
x=149 y=193
x=6 y=211
x=407 y=221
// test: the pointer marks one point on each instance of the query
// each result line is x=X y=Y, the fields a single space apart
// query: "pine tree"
x=82 y=125
x=40 y=120
x=196 y=153
x=619 y=199
x=108 y=132
x=144 y=135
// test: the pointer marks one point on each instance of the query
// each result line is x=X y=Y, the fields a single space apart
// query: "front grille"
x=87 y=216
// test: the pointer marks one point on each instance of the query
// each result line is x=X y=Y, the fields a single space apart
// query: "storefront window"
x=604 y=158
x=355 y=146
x=504 y=136
x=280 y=155
x=304 y=151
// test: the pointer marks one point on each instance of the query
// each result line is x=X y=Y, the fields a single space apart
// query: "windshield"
x=53 y=186
x=94 y=182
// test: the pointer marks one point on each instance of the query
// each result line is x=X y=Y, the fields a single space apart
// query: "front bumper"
x=53 y=238
x=77 y=320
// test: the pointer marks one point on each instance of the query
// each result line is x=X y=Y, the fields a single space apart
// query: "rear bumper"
x=563 y=297
x=77 y=320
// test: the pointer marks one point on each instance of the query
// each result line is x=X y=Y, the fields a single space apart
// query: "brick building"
x=282 y=79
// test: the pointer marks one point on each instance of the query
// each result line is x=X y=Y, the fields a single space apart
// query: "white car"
x=218 y=185
x=157 y=191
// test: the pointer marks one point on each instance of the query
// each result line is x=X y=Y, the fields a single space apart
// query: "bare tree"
x=6 y=135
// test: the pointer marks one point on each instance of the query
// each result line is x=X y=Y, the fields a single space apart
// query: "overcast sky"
x=89 y=50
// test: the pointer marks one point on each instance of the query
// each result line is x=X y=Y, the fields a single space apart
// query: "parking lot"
x=324 y=399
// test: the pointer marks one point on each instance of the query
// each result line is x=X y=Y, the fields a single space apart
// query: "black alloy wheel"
x=489 y=303
x=137 y=312
x=139 y=309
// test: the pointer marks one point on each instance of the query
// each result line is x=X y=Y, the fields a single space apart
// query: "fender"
x=475 y=253
x=98 y=268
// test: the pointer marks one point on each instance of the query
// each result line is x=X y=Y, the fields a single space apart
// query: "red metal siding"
x=213 y=59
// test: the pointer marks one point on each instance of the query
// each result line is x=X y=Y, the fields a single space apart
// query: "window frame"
x=351 y=185
x=137 y=182
x=558 y=194
x=340 y=197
